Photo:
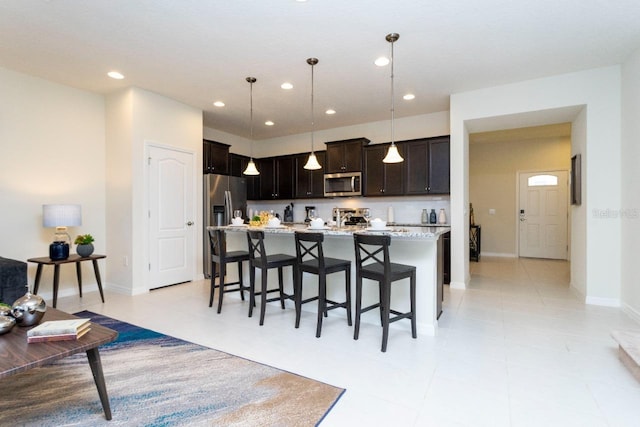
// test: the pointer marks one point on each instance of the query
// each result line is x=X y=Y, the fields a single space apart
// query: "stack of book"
x=59 y=330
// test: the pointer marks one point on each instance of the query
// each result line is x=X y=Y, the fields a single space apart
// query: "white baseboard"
x=606 y=302
x=631 y=312
x=498 y=254
x=457 y=285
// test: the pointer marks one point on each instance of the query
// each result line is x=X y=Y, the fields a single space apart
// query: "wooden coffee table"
x=19 y=356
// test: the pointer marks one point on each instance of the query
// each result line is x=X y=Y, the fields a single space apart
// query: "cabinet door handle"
x=190 y=223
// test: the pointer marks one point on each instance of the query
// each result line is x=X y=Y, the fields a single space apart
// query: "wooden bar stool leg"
x=297 y=295
x=348 y=293
x=223 y=272
x=240 y=280
x=356 y=329
x=414 y=329
x=252 y=289
x=281 y=286
x=213 y=283
x=263 y=299
x=384 y=306
x=322 y=302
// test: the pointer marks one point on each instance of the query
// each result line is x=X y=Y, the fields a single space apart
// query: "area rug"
x=157 y=380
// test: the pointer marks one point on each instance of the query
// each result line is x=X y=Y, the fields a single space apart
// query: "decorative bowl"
x=29 y=309
x=6 y=323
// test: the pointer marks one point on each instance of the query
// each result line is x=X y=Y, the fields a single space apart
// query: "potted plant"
x=85 y=245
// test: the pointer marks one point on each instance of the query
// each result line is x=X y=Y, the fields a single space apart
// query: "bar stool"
x=309 y=246
x=374 y=251
x=258 y=258
x=219 y=255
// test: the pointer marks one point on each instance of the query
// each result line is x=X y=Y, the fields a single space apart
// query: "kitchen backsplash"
x=406 y=210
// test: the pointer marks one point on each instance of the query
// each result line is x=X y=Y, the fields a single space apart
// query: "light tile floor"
x=517 y=348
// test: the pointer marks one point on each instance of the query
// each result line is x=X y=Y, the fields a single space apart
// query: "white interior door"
x=171 y=235
x=543 y=214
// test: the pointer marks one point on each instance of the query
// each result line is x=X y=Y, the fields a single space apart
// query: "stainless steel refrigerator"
x=222 y=195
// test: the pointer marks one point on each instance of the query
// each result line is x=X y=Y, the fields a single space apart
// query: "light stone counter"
x=417 y=246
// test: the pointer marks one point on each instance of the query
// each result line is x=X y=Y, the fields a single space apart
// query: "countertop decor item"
x=6 y=324
x=28 y=309
x=85 y=245
x=432 y=217
x=442 y=216
x=424 y=219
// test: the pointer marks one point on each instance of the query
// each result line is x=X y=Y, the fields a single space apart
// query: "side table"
x=77 y=259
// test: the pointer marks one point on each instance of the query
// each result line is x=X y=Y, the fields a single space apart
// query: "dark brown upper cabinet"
x=276 y=177
x=309 y=183
x=382 y=179
x=427 y=166
x=345 y=156
x=215 y=157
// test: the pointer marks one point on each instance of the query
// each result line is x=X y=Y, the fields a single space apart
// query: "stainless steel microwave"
x=343 y=184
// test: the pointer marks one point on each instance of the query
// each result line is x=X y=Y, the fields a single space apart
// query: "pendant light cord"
x=312 y=111
x=392 y=100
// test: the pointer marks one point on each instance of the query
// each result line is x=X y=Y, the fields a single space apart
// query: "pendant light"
x=251 y=166
x=392 y=154
x=312 y=162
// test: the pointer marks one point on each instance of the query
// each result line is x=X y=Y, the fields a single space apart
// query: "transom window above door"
x=540 y=180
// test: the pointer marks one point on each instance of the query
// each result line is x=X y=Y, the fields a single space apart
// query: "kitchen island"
x=418 y=246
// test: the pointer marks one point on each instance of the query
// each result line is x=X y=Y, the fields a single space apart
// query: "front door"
x=543 y=214
x=171 y=216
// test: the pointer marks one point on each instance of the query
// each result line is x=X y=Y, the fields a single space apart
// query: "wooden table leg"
x=98 y=377
x=37 y=283
x=56 y=280
x=97 y=271
x=79 y=275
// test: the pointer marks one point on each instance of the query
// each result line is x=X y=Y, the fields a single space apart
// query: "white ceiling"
x=199 y=51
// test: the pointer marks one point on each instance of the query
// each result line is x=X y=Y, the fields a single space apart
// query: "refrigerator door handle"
x=228 y=207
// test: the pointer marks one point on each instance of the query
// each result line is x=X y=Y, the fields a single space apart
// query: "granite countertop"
x=396 y=231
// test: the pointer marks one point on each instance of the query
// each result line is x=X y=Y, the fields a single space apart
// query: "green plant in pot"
x=85 y=245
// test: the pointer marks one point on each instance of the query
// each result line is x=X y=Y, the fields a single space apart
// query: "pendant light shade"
x=393 y=156
x=251 y=166
x=312 y=162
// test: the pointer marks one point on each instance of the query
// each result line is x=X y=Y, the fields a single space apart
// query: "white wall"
x=630 y=274
x=52 y=151
x=599 y=91
x=137 y=117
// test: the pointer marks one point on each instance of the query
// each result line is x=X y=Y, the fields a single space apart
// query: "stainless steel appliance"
x=343 y=184
x=308 y=210
x=222 y=195
x=349 y=216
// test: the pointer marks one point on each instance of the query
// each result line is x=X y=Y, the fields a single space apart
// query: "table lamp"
x=61 y=217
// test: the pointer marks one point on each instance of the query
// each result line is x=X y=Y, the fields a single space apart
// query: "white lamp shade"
x=61 y=215
x=251 y=169
x=312 y=163
x=392 y=155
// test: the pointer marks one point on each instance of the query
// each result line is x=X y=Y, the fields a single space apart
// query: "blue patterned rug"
x=157 y=380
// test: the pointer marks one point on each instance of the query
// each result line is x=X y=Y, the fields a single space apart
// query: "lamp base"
x=58 y=251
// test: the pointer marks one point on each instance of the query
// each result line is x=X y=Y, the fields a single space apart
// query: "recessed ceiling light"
x=286 y=86
x=219 y=104
x=330 y=111
x=409 y=97
x=382 y=61
x=269 y=123
x=115 y=75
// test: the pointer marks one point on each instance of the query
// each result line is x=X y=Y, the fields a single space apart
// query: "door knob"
x=190 y=223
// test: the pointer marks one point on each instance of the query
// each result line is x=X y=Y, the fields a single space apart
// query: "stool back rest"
x=257 y=253
x=372 y=249
x=309 y=247
x=218 y=243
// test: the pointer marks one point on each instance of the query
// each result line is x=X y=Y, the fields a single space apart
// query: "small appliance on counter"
x=349 y=216
x=288 y=213
x=310 y=212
